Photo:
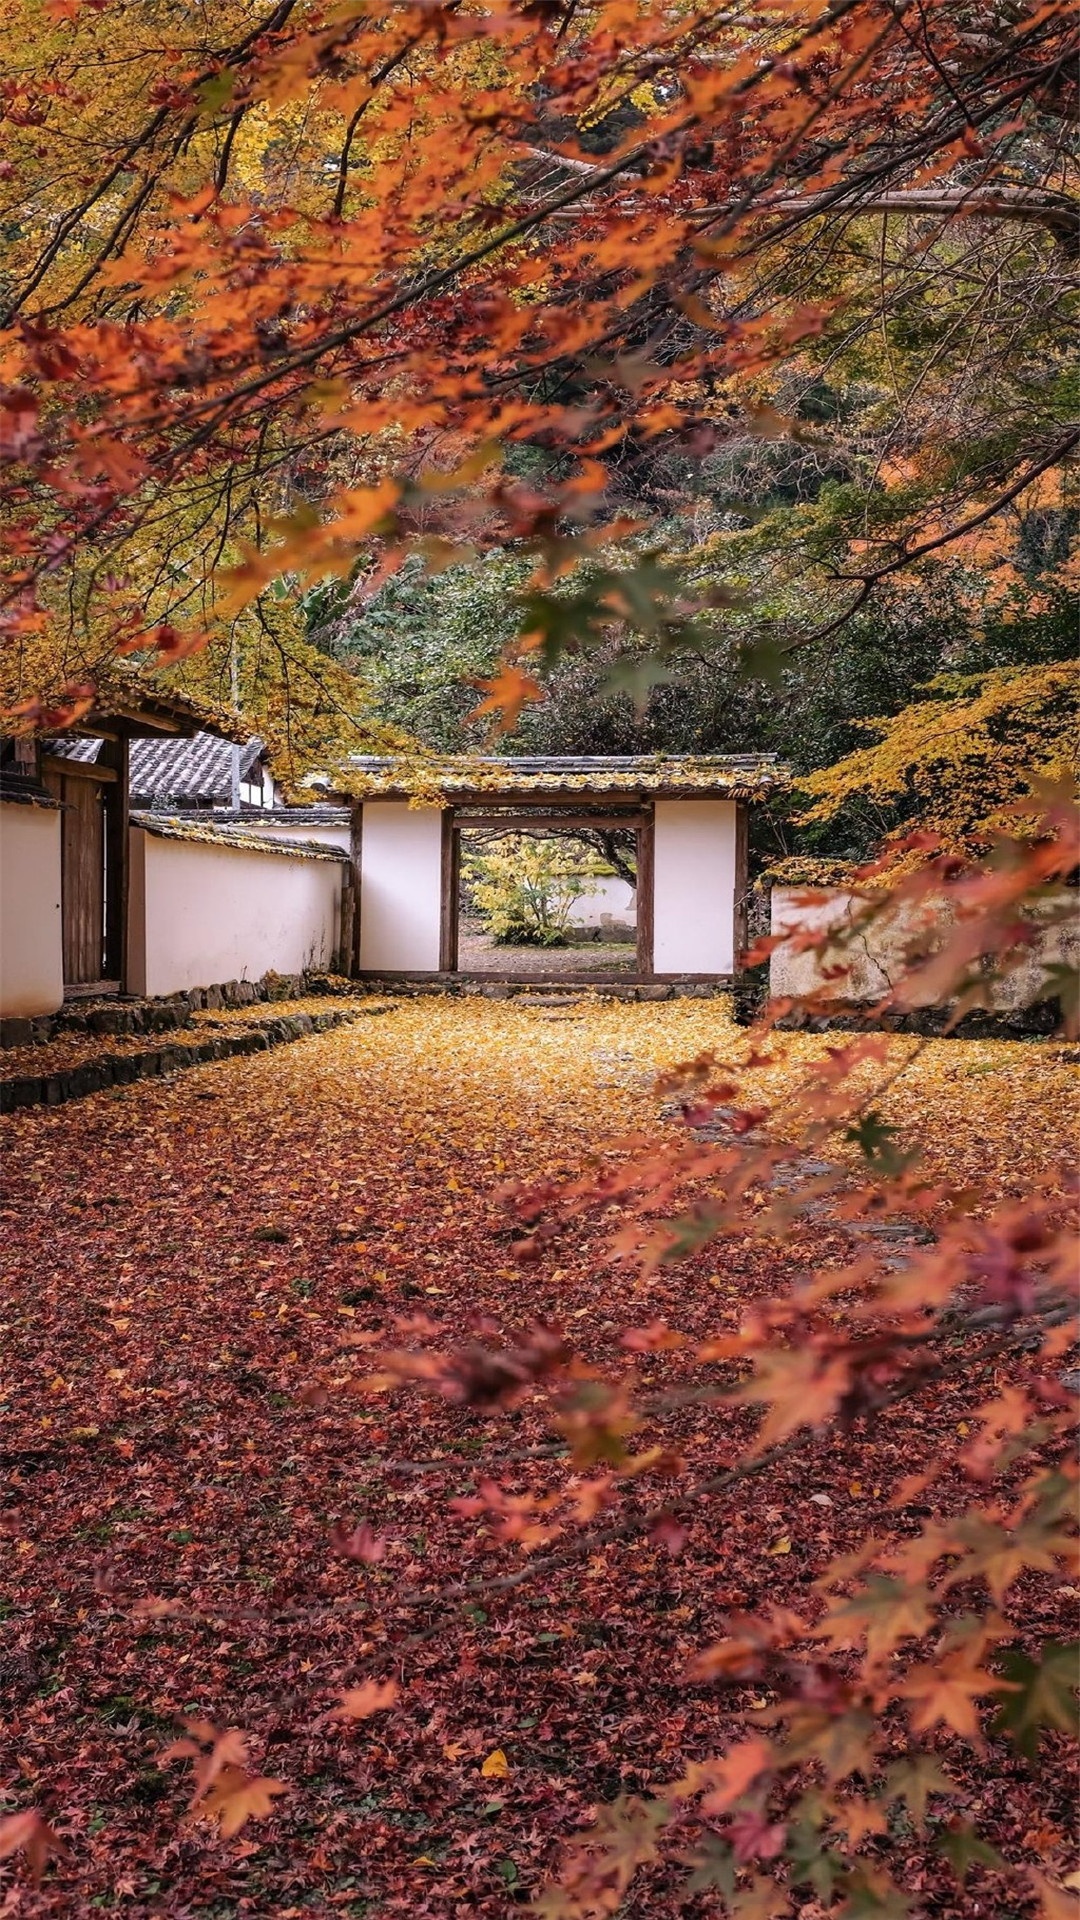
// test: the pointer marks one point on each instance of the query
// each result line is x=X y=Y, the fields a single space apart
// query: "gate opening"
x=544 y=902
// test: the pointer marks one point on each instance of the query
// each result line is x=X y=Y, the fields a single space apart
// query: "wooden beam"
x=343 y=954
x=147 y=719
x=546 y=981
x=356 y=842
x=557 y=822
x=644 y=896
x=742 y=882
x=114 y=762
x=451 y=875
x=604 y=799
x=83 y=769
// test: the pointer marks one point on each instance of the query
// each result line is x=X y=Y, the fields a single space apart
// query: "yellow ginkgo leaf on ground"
x=496 y=1766
x=783 y=1545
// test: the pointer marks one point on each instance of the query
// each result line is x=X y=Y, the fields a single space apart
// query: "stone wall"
x=162 y=1015
x=56 y=1085
x=873 y=957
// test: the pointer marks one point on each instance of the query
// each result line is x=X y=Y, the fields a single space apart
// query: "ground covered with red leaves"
x=186 y=1265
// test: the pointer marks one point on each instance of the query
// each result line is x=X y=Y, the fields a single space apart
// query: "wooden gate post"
x=451 y=880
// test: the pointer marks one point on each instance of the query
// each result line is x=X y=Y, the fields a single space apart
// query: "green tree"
x=525 y=887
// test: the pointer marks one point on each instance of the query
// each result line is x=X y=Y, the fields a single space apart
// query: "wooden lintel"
x=148 y=727
x=551 y=822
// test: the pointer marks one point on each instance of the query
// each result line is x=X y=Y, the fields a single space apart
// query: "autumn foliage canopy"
x=296 y=293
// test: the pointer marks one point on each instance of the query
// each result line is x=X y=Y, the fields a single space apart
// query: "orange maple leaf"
x=1055 y=1903
x=237 y=1796
x=510 y=690
x=947 y=1696
x=886 y=1611
x=373 y=1696
x=801 y=1389
x=28 y=1833
x=227 y=1748
x=734 y=1772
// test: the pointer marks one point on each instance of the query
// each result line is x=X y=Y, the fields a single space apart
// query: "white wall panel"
x=31 y=939
x=199 y=915
x=694 y=887
x=400 y=887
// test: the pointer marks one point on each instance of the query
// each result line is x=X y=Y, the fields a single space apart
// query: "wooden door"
x=82 y=883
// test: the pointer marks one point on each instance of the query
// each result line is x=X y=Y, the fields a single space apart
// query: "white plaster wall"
x=200 y=915
x=612 y=896
x=400 y=887
x=694 y=887
x=31 y=937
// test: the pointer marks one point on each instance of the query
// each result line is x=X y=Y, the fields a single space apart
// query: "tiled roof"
x=731 y=776
x=69 y=746
x=171 y=772
x=20 y=789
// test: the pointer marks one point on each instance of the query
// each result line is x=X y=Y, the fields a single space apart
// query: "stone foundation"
x=583 y=985
x=129 y=1016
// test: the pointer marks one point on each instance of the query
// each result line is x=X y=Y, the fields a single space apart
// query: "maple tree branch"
x=272 y=24
x=381 y=73
x=1054 y=458
x=868 y=581
x=222 y=174
x=440 y=278
x=1054 y=211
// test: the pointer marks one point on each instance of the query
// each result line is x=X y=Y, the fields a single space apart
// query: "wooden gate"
x=91 y=882
x=83 y=885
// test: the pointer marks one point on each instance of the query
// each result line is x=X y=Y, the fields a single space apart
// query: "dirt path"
x=477 y=953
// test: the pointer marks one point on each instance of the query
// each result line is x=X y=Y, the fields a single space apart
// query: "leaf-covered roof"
x=165 y=826
x=459 y=776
